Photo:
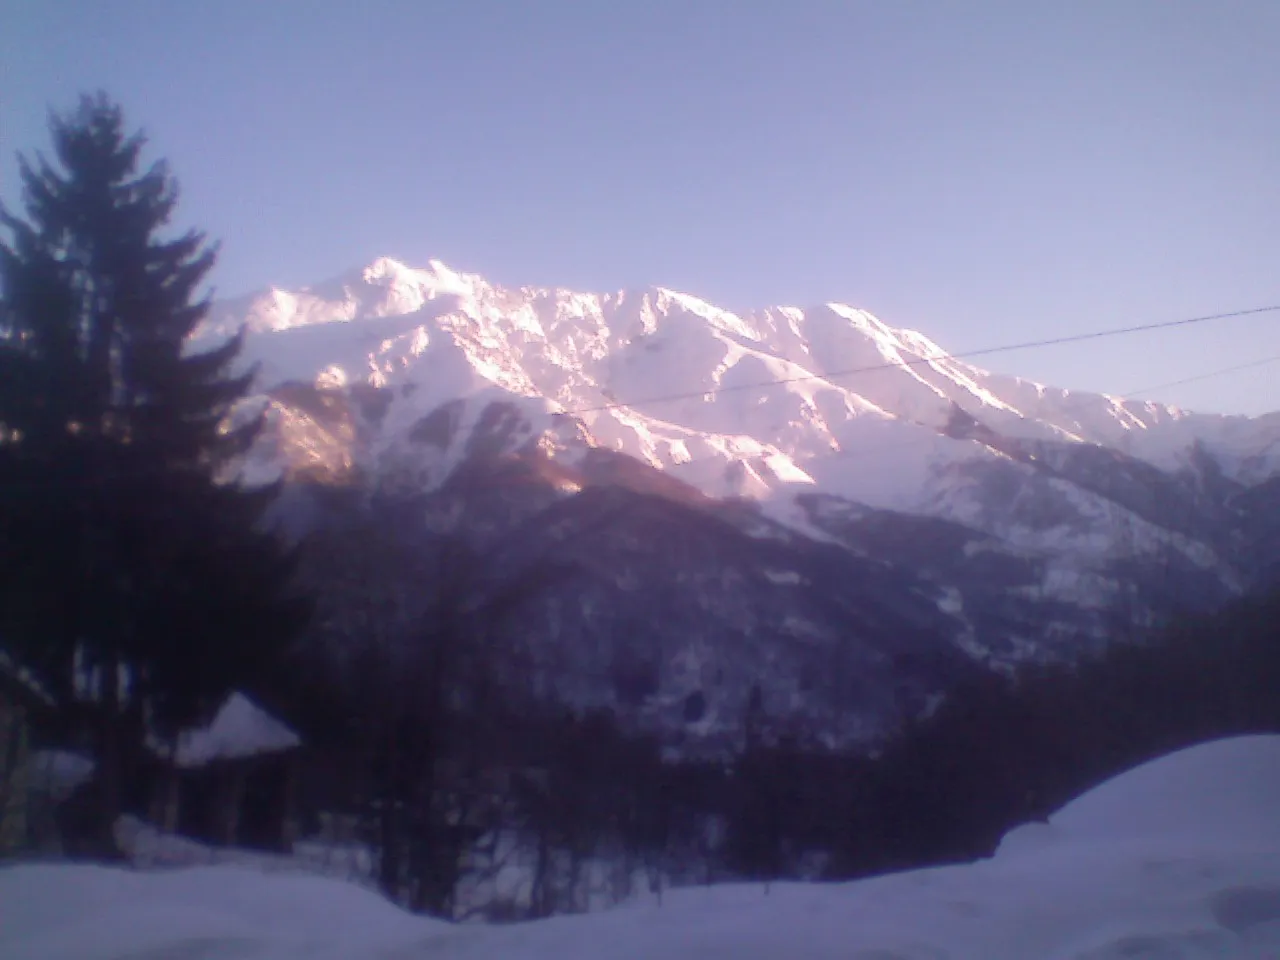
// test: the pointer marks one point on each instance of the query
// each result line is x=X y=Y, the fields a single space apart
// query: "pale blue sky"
x=983 y=171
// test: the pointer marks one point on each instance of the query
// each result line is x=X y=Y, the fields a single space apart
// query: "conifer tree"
x=137 y=577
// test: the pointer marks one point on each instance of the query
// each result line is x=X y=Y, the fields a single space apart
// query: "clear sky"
x=986 y=171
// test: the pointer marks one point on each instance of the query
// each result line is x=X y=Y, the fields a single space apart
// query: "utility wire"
x=917 y=361
x=871 y=452
x=1202 y=376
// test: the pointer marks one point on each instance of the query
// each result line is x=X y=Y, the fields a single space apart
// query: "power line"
x=917 y=361
x=1202 y=376
x=872 y=452
x=1128 y=395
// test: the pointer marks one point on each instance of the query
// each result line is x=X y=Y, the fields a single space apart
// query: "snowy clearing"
x=1177 y=860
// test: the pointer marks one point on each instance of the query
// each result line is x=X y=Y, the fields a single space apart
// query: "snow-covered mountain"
x=1024 y=516
x=752 y=405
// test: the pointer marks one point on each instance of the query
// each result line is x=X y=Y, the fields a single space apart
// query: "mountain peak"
x=383 y=267
x=419 y=284
x=827 y=393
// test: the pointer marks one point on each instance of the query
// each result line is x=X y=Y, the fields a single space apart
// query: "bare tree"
x=407 y=626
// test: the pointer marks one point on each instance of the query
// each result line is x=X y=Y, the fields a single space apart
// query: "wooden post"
x=233 y=799
x=165 y=798
x=171 y=784
x=289 y=801
x=14 y=770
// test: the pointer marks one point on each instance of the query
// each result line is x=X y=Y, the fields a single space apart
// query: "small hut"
x=231 y=783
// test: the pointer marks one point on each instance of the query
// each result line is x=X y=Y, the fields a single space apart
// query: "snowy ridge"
x=415 y=371
x=744 y=405
x=402 y=375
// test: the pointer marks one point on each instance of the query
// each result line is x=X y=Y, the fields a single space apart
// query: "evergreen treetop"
x=127 y=550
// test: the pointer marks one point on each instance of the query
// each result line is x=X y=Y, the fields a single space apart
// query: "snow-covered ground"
x=1177 y=860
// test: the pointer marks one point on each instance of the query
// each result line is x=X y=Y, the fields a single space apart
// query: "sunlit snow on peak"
x=751 y=404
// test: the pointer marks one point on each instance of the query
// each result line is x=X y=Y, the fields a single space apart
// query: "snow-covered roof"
x=240 y=729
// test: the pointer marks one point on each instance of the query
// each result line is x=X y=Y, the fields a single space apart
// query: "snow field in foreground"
x=1176 y=860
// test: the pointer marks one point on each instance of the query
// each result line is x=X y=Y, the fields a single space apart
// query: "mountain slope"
x=1002 y=518
x=688 y=386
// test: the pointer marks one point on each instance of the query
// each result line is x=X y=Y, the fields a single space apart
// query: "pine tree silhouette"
x=137 y=580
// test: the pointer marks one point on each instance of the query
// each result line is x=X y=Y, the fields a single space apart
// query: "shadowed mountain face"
x=678 y=605
x=805 y=501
